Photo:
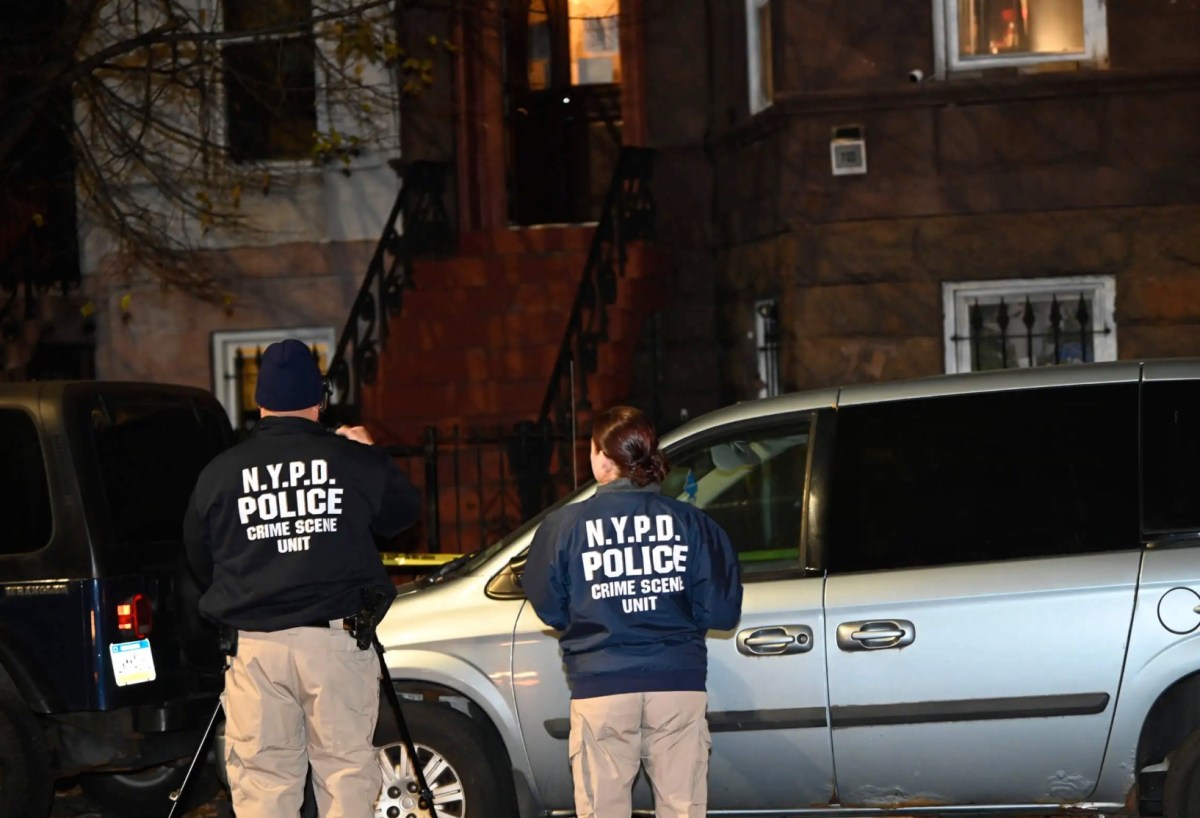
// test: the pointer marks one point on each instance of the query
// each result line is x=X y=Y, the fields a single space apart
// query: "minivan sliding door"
x=983 y=555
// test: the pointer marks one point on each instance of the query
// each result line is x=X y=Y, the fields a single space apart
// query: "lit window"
x=538 y=57
x=595 y=44
x=759 y=52
x=1029 y=322
x=270 y=81
x=976 y=34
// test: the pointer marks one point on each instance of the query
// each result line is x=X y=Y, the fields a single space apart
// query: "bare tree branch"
x=177 y=120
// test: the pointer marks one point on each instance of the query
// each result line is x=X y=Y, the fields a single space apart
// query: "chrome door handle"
x=875 y=634
x=775 y=640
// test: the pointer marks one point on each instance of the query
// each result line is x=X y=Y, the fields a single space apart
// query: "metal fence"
x=478 y=484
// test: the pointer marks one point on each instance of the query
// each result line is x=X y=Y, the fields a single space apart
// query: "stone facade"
x=1000 y=175
x=863 y=300
x=146 y=331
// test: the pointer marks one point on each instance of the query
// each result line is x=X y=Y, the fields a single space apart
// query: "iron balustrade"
x=495 y=482
x=498 y=477
x=627 y=215
x=417 y=225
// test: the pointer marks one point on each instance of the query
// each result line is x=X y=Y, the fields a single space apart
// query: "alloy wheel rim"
x=400 y=795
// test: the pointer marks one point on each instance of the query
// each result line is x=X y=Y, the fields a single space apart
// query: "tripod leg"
x=197 y=760
x=405 y=737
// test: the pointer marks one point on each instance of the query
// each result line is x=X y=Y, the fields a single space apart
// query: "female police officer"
x=633 y=580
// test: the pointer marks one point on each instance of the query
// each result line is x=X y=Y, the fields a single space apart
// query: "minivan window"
x=25 y=519
x=983 y=477
x=150 y=454
x=752 y=484
x=1171 y=446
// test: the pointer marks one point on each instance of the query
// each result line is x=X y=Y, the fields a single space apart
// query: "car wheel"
x=26 y=786
x=1181 y=792
x=148 y=792
x=452 y=751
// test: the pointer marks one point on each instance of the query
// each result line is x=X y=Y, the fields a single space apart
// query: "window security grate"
x=1032 y=333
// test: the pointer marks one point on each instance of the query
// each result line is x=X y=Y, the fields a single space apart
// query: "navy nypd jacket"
x=281 y=528
x=633 y=580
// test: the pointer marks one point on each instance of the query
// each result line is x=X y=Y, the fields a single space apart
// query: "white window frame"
x=224 y=353
x=946 y=46
x=757 y=95
x=220 y=112
x=327 y=110
x=958 y=296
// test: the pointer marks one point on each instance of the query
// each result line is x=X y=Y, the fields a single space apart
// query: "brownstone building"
x=847 y=191
x=685 y=203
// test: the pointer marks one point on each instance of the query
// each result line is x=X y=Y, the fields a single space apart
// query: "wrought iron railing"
x=627 y=215
x=497 y=478
x=478 y=484
x=417 y=225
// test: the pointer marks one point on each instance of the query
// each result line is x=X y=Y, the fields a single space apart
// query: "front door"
x=564 y=108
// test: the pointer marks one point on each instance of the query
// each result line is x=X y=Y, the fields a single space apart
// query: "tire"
x=147 y=793
x=1181 y=792
x=453 y=751
x=26 y=785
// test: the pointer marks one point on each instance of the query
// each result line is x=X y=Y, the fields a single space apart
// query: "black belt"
x=347 y=623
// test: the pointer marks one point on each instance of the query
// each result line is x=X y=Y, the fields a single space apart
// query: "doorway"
x=563 y=111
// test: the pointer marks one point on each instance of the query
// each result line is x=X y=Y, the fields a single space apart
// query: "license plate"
x=132 y=662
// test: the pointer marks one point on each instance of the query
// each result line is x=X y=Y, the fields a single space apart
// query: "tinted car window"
x=1171 y=442
x=973 y=478
x=25 y=521
x=149 y=455
x=752 y=484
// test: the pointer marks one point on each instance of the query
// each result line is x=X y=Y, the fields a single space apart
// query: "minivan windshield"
x=715 y=488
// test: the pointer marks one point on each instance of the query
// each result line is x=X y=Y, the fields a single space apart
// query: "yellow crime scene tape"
x=416 y=562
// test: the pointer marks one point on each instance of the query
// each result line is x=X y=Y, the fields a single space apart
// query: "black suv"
x=106 y=671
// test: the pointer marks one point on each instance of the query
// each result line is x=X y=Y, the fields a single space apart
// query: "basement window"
x=1021 y=323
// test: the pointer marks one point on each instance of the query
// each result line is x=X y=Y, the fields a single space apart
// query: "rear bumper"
x=173 y=716
x=128 y=738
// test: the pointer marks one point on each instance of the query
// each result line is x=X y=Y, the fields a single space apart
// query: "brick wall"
x=471 y=354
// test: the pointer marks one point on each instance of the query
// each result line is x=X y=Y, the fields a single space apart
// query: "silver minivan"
x=970 y=593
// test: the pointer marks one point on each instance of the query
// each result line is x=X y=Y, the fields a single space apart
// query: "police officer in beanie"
x=281 y=529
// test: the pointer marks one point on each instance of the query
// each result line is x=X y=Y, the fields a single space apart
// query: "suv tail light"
x=135 y=617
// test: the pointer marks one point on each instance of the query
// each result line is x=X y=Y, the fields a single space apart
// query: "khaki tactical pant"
x=612 y=736
x=297 y=697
